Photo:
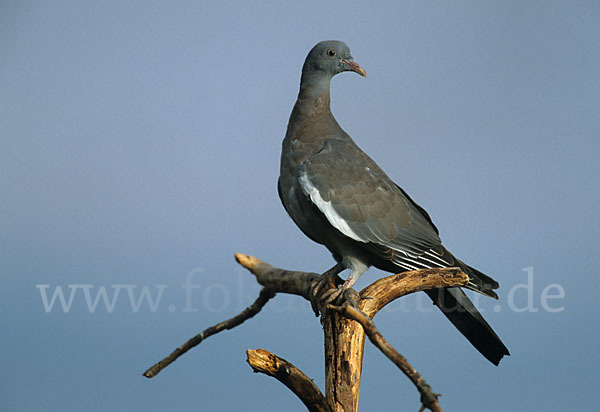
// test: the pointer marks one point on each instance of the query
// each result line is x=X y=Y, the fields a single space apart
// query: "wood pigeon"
x=339 y=197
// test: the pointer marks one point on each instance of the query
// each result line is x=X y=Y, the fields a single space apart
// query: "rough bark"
x=344 y=327
x=270 y=364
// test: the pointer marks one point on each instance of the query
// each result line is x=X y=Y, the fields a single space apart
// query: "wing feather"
x=364 y=204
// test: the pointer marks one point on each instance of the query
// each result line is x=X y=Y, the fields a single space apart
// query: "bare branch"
x=266 y=362
x=250 y=311
x=279 y=280
x=344 y=338
x=428 y=397
x=386 y=290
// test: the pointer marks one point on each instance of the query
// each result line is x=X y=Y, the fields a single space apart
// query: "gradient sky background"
x=140 y=142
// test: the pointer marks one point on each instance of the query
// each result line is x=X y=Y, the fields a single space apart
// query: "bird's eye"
x=331 y=52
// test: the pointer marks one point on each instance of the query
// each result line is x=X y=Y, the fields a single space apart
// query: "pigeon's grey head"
x=329 y=58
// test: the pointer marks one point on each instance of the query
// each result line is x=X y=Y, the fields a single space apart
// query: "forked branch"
x=344 y=329
x=428 y=397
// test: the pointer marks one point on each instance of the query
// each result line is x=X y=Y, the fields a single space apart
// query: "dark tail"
x=462 y=313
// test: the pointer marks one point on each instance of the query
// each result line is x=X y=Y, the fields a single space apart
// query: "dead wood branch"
x=428 y=397
x=278 y=280
x=344 y=329
x=344 y=338
x=250 y=311
x=386 y=290
x=270 y=364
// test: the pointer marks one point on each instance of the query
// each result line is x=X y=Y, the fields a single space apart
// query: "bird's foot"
x=334 y=295
x=326 y=289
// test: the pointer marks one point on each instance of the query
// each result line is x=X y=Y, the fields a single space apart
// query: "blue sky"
x=140 y=148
